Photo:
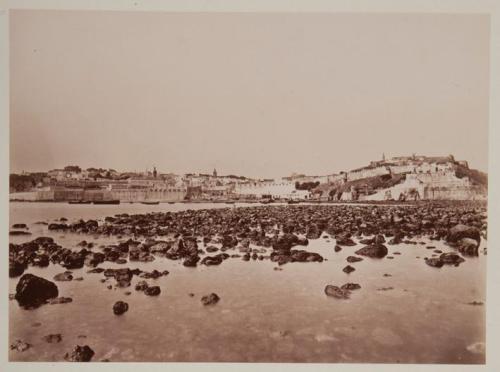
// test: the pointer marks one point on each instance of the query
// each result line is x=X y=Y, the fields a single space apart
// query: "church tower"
x=215 y=173
x=383 y=156
x=155 y=173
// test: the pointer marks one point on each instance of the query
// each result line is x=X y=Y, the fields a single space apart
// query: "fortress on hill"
x=408 y=178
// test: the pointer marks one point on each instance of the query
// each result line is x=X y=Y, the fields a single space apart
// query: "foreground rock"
x=210 y=299
x=33 y=291
x=152 y=291
x=120 y=308
x=334 y=291
x=80 y=354
x=52 y=338
x=20 y=346
x=459 y=232
x=60 y=300
x=376 y=250
x=63 y=277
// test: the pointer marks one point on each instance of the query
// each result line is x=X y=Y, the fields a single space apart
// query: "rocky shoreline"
x=280 y=234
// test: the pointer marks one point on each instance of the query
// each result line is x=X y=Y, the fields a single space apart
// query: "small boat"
x=293 y=202
x=106 y=202
x=230 y=202
x=171 y=202
x=150 y=202
x=79 y=202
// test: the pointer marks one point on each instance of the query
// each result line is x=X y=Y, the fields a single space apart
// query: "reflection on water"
x=264 y=315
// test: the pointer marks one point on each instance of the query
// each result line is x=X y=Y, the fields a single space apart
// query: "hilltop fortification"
x=408 y=178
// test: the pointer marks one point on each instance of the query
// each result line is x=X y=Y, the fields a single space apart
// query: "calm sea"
x=419 y=314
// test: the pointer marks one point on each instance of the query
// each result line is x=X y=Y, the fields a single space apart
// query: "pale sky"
x=261 y=95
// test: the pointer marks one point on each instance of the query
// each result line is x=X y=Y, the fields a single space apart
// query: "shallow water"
x=264 y=315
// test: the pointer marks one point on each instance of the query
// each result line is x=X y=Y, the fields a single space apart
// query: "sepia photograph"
x=248 y=187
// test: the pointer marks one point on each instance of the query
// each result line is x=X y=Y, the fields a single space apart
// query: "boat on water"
x=150 y=202
x=106 y=202
x=80 y=202
x=293 y=202
x=171 y=202
x=230 y=202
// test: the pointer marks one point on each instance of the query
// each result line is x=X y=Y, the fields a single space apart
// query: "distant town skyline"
x=257 y=95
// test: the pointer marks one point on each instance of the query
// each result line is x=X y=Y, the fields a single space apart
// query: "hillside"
x=408 y=178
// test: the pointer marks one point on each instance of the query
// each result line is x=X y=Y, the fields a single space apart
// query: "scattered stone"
x=80 y=354
x=334 y=291
x=210 y=299
x=348 y=269
x=350 y=286
x=60 y=300
x=19 y=226
x=20 y=346
x=352 y=259
x=18 y=232
x=434 y=262
x=52 y=338
x=33 y=291
x=152 y=291
x=141 y=286
x=375 y=251
x=120 y=307
x=64 y=277
x=451 y=258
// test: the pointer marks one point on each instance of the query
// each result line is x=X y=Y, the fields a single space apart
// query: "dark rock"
x=352 y=259
x=345 y=240
x=285 y=242
x=348 y=269
x=60 y=300
x=374 y=251
x=152 y=291
x=141 y=286
x=211 y=260
x=19 y=226
x=337 y=248
x=33 y=291
x=304 y=256
x=434 y=262
x=210 y=299
x=120 y=307
x=19 y=232
x=467 y=247
x=350 y=286
x=52 y=338
x=20 y=346
x=16 y=268
x=313 y=232
x=334 y=291
x=63 y=277
x=80 y=354
x=74 y=260
x=451 y=258
x=459 y=232
x=96 y=271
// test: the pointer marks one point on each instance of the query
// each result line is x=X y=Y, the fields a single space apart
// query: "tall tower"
x=383 y=156
x=215 y=172
x=155 y=173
